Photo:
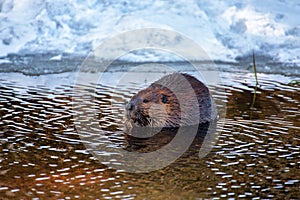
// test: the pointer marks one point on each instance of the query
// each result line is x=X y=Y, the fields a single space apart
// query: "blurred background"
x=227 y=31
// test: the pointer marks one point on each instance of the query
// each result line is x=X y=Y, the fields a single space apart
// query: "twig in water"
x=255 y=89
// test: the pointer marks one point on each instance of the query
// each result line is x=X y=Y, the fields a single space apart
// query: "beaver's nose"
x=130 y=106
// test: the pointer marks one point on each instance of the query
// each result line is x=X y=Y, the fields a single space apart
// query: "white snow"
x=57 y=58
x=4 y=61
x=224 y=29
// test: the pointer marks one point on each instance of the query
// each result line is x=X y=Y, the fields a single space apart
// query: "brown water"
x=42 y=157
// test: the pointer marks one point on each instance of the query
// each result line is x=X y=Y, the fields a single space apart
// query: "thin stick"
x=254 y=66
x=255 y=89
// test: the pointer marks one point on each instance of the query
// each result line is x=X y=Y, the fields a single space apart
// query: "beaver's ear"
x=164 y=98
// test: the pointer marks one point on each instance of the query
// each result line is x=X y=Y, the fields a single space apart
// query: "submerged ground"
x=256 y=156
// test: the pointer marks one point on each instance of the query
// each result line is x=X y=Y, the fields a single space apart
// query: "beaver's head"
x=174 y=100
x=155 y=106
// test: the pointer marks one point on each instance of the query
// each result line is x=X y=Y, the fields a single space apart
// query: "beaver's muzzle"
x=134 y=114
x=129 y=110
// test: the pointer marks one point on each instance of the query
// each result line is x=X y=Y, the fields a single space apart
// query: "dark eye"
x=164 y=98
x=146 y=101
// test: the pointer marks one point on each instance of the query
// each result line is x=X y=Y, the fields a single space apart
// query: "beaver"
x=175 y=100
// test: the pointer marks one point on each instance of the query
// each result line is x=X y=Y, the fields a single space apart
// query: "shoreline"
x=43 y=64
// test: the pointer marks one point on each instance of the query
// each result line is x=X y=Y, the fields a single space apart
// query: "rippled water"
x=42 y=156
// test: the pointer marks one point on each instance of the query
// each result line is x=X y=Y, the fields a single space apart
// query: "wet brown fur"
x=150 y=110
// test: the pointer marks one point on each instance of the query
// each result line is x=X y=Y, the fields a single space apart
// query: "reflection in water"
x=41 y=154
x=160 y=138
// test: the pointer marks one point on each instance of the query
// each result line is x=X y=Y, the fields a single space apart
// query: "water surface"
x=42 y=156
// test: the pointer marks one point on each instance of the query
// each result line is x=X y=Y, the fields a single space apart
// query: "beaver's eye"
x=146 y=101
x=164 y=98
